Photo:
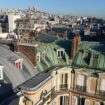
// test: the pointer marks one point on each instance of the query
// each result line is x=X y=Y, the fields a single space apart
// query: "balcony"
x=102 y=93
x=82 y=91
x=63 y=86
x=80 y=88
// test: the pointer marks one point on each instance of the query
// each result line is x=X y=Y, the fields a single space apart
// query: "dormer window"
x=43 y=53
x=38 y=57
x=95 y=60
x=19 y=64
x=87 y=57
x=60 y=53
x=1 y=72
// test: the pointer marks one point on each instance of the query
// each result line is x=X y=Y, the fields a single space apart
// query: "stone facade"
x=64 y=89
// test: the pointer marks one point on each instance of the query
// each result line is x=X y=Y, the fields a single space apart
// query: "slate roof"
x=12 y=76
x=7 y=59
x=36 y=81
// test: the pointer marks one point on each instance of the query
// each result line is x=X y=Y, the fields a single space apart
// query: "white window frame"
x=38 y=56
x=21 y=63
x=60 y=50
x=1 y=72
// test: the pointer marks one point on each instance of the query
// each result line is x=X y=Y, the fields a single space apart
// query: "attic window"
x=1 y=72
x=95 y=60
x=87 y=57
x=60 y=53
x=19 y=64
x=43 y=53
x=38 y=56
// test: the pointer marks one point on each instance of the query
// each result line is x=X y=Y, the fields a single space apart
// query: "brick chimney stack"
x=75 y=43
x=28 y=48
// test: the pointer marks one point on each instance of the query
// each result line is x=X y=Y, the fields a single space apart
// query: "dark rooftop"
x=46 y=38
x=35 y=82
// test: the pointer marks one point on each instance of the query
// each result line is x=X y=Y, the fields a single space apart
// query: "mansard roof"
x=50 y=57
x=95 y=55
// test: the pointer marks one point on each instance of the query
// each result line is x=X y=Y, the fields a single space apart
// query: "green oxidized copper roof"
x=96 y=55
x=50 y=57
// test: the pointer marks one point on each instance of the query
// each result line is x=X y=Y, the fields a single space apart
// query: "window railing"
x=63 y=86
x=80 y=88
x=102 y=93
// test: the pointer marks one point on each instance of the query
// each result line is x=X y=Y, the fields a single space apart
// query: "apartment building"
x=82 y=83
x=65 y=86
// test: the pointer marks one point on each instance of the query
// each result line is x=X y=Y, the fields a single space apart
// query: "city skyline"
x=71 y=7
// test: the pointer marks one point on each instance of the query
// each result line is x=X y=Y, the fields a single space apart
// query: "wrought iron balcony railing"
x=63 y=86
x=80 y=88
x=102 y=93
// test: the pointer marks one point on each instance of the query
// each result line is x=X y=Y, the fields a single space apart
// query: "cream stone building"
x=65 y=86
x=81 y=82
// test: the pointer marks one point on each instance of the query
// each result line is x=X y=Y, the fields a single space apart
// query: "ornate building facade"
x=81 y=83
x=65 y=86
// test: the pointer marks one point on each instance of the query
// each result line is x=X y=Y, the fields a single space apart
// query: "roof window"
x=19 y=64
x=1 y=72
x=60 y=53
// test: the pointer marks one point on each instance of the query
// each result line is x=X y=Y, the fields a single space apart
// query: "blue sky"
x=71 y=7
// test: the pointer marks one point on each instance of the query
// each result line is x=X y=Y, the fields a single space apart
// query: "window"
x=80 y=80
x=64 y=78
x=74 y=100
x=95 y=60
x=60 y=53
x=64 y=100
x=19 y=64
x=43 y=53
x=87 y=102
x=61 y=78
x=87 y=57
x=38 y=56
x=102 y=87
x=97 y=103
x=1 y=72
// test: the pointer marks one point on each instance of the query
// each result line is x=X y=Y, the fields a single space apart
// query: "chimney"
x=75 y=44
x=28 y=48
